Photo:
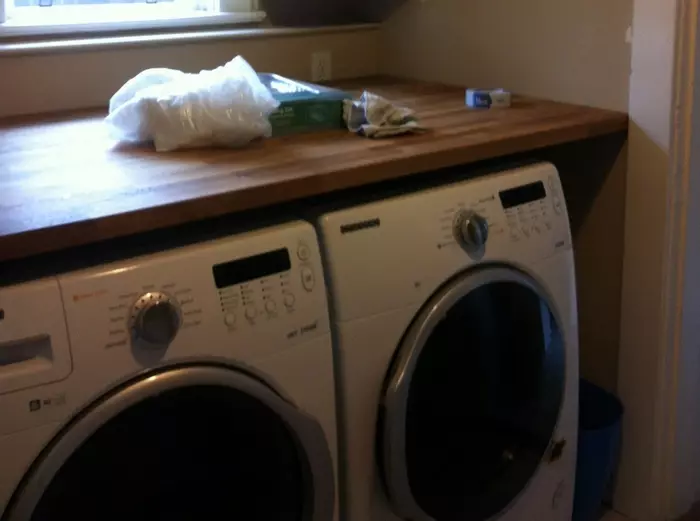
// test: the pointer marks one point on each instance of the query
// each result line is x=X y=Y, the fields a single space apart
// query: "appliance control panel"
x=418 y=240
x=517 y=208
x=532 y=209
x=242 y=296
x=247 y=298
x=264 y=286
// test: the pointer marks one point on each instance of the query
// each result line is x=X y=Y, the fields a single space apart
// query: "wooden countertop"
x=64 y=182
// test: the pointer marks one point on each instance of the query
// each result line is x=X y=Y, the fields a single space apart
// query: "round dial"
x=155 y=320
x=471 y=230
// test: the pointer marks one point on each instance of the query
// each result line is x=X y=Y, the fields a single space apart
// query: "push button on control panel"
x=270 y=306
x=303 y=252
x=532 y=220
x=289 y=300
x=251 y=312
x=556 y=195
x=557 y=206
x=308 y=280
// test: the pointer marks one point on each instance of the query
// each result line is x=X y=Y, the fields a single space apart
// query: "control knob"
x=155 y=320
x=471 y=230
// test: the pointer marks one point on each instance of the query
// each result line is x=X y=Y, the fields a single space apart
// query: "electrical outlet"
x=321 y=66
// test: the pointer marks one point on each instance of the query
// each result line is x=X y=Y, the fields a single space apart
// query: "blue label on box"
x=482 y=100
x=485 y=99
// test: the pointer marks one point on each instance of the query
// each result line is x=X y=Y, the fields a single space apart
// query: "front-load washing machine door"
x=472 y=399
x=197 y=442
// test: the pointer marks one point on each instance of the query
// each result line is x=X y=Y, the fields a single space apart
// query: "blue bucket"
x=600 y=433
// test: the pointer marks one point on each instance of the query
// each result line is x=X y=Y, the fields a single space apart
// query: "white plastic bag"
x=227 y=106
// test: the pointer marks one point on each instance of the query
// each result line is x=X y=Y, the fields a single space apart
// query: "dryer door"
x=190 y=442
x=473 y=397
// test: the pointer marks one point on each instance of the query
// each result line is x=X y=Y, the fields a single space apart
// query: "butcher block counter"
x=64 y=182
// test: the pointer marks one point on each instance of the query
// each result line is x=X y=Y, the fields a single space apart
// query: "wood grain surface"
x=64 y=182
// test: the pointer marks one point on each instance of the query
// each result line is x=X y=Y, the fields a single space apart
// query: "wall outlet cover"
x=321 y=66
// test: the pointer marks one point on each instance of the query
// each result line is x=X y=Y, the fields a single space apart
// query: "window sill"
x=26 y=46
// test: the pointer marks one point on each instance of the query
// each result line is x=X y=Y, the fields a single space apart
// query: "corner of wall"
x=574 y=51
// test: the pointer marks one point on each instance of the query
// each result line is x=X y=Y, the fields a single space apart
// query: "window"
x=42 y=17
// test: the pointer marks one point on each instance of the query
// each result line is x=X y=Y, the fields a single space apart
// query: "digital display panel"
x=250 y=268
x=522 y=195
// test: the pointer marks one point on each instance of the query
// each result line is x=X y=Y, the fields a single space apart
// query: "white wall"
x=643 y=475
x=572 y=50
x=48 y=82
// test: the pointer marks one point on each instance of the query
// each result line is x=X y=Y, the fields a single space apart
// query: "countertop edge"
x=80 y=233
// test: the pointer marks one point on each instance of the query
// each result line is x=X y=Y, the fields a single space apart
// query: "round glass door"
x=201 y=447
x=473 y=398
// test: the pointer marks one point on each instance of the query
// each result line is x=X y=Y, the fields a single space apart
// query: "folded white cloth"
x=376 y=117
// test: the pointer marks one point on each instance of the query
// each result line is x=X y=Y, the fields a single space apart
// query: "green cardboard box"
x=304 y=107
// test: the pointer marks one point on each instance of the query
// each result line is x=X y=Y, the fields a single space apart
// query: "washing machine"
x=455 y=325
x=195 y=383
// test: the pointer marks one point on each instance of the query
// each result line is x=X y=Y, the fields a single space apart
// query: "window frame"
x=161 y=18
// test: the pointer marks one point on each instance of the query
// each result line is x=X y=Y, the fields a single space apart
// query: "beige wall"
x=599 y=250
x=69 y=80
x=574 y=51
